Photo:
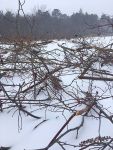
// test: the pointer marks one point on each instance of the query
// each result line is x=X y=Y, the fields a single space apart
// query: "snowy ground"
x=21 y=131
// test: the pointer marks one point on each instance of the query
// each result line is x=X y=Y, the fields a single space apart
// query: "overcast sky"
x=66 y=6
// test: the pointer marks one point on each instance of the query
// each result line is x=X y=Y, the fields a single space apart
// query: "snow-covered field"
x=22 y=132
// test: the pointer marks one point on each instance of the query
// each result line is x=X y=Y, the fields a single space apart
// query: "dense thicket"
x=46 y=25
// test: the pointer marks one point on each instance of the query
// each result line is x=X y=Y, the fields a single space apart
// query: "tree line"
x=45 y=25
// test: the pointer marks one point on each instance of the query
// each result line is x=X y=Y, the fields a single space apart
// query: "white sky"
x=66 y=6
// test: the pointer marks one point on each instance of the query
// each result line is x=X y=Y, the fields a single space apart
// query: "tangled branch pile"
x=54 y=80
